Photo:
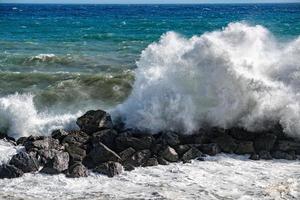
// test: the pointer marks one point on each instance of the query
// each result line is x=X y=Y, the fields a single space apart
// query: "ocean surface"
x=157 y=67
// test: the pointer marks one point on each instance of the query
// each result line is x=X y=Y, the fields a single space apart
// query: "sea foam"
x=238 y=76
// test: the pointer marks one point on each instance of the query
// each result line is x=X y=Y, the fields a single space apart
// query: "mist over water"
x=238 y=76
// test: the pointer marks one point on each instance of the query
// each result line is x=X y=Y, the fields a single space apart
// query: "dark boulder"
x=242 y=134
x=110 y=169
x=244 y=147
x=77 y=170
x=254 y=156
x=77 y=138
x=192 y=153
x=288 y=145
x=181 y=149
x=24 y=161
x=138 y=158
x=169 y=154
x=151 y=162
x=59 y=164
x=210 y=149
x=162 y=161
x=94 y=120
x=284 y=155
x=264 y=142
x=76 y=153
x=10 y=171
x=123 y=142
x=44 y=143
x=106 y=137
x=21 y=140
x=127 y=153
x=169 y=138
x=101 y=153
x=226 y=143
x=59 y=134
x=128 y=167
x=265 y=155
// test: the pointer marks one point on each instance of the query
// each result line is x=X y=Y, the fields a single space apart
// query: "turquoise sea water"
x=67 y=58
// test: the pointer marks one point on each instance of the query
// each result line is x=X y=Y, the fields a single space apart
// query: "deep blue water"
x=92 y=49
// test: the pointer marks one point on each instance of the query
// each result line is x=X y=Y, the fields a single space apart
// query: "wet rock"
x=59 y=134
x=210 y=149
x=44 y=143
x=139 y=158
x=77 y=170
x=110 y=169
x=288 y=145
x=181 y=149
x=94 y=120
x=265 y=155
x=169 y=138
x=226 y=143
x=128 y=167
x=254 y=156
x=76 y=153
x=101 y=153
x=264 y=142
x=21 y=140
x=245 y=147
x=77 y=138
x=192 y=153
x=162 y=161
x=151 y=162
x=59 y=164
x=284 y=155
x=10 y=171
x=127 y=153
x=124 y=142
x=242 y=134
x=107 y=137
x=170 y=154
x=24 y=161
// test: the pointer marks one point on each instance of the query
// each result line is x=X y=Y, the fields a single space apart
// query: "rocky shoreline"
x=102 y=147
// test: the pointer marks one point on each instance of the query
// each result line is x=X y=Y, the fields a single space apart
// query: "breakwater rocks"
x=105 y=148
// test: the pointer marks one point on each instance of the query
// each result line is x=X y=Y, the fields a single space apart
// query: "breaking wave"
x=238 y=76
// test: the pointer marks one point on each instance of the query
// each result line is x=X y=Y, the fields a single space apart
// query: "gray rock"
x=77 y=170
x=45 y=143
x=192 y=153
x=245 y=147
x=265 y=155
x=124 y=142
x=59 y=164
x=77 y=138
x=162 y=161
x=128 y=167
x=127 y=153
x=181 y=149
x=94 y=120
x=59 y=134
x=138 y=158
x=169 y=138
x=211 y=149
x=76 y=153
x=226 y=143
x=10 y=171
x=151 y=162
x=288 y=145
x=264 y=142
x=254 y=156
x=170 y=154
x=110 y=169
x=101 y=153
x=24 y=161
x=284 y=155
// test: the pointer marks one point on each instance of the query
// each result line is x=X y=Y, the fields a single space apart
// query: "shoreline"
x=109 y=149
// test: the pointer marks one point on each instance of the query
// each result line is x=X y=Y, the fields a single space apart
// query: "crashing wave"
x=238 y=76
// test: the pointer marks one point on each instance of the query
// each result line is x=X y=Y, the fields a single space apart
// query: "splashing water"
x=238 y=76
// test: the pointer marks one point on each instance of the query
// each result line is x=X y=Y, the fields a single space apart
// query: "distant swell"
x=239 y=76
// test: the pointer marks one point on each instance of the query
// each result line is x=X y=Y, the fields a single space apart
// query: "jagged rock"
x=242 y=134
x=77 y=170
x=124 y=155
x=288 y=145
x=124 y=142
x=59 y=134
x=106 y=137
x=226 y=143
x=162 y=161
x=10 y=171
x=139 y=158
x=210 y=149
x=110 y=168
x=169 y=154
x=21 y=140
x=254 y=156
x=94 y=120
x=169 y=138
x=78 y=138
x=157 y=148
x=101 y=153
x=151 y=162
x=245 y=147
x=128 y=167
x=192 y=153
x=264 y=142
x=284 y=155
x=24 y=161
x=59 y=164
x=44 y=143
x=265 y=155
x=76 y=153
x=181 y=149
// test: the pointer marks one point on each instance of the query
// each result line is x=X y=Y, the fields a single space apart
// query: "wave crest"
x=238 y=76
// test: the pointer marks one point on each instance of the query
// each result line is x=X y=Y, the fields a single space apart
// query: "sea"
x=156 y=67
